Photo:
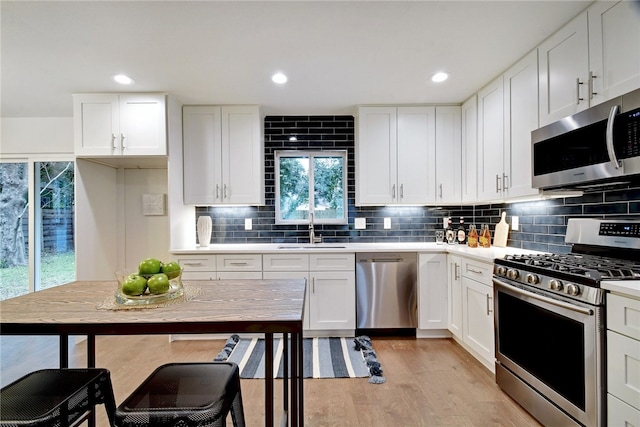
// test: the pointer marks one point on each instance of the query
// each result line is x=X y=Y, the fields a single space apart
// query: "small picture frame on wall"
x=154 y=204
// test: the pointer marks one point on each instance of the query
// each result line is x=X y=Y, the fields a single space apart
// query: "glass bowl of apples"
x=153 y=282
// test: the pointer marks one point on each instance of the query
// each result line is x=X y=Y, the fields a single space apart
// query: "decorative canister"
x=204 y=230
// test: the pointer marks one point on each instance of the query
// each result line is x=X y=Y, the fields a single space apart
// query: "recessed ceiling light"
x=439 y=77
x=279 y=78
x=122 y=79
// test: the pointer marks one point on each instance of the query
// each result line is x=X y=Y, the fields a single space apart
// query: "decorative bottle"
x=472 y=238
x=461 y=234
x=450 y=233
x=485 y=236
x=203 y=227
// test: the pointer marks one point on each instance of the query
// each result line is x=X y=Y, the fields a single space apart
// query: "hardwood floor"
x=430 y=382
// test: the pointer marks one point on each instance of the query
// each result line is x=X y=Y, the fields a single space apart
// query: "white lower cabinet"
x=331 y=288
x=623 y=360
x=432 y=292
x=454 y=284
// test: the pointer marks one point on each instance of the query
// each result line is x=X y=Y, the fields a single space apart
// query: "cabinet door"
x=143 y=125
x=449 y=151
x=477 y=301
x=432 y=291
x=243 y=156
x=332 y=301
x=376 y=155
x=623 y=368
x=416 y=169
x=271 y=275
x=490 y=141
x=454 y=281
x=521 y=117
x=614 y=49
x=564 y=71
x=469 y=154
x=621 y=414
x=201 y=155
x=96 y=125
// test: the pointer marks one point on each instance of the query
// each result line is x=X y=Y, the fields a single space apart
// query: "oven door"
x=555 y=347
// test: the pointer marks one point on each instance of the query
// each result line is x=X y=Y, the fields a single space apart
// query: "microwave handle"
x=612 y=152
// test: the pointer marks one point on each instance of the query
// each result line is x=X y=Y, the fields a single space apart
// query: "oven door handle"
x=558 y=303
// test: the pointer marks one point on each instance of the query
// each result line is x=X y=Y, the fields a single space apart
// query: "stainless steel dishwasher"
x=386 y=295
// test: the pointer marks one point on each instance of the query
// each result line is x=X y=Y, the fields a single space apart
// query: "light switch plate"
x=248 y=223
x=515 y=223
x=360 y=223
x=387 y=223
x=154 y=204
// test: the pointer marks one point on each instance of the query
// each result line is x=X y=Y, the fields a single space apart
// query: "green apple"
x=149 y=266
x=171 y=269
x=158 y=283
x=134 y=284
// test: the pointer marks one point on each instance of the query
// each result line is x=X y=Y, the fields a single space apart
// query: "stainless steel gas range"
x=550 y=321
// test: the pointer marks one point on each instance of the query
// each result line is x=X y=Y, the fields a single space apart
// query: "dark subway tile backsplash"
x=542 y=223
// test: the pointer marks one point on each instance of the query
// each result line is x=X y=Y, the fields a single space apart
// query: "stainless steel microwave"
x=600 y=145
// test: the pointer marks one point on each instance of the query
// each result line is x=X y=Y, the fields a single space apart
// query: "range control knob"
x=573 y=289
x=502 y=270
x=555 y=284
x=532 y=279
x=513 y=274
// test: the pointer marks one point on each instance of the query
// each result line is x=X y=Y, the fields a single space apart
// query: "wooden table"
x=223 y=306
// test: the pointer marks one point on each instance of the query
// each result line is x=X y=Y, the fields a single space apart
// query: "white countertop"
x=486 y=254
x=626 y=287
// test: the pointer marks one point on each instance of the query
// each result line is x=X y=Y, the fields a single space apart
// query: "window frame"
x=311 y=154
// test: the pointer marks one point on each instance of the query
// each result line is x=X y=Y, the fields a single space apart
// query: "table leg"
x=295 y=374
x=300 y=379
x=91 y=363
x=268 y=379
x=285 y=372
x=64 y=351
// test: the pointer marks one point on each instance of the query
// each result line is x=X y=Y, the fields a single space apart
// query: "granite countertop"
x=486 y=254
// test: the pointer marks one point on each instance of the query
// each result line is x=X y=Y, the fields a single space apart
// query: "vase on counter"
x=204 y=230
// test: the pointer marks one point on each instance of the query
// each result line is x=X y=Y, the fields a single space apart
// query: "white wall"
x=37 y=135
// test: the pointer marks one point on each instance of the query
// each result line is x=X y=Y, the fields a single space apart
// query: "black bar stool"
x=56 y=397
x=185 y=394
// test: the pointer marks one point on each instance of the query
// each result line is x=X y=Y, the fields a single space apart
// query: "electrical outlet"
x=515 y=223
x=387 y=223
x=248 y=223
x=360 y=223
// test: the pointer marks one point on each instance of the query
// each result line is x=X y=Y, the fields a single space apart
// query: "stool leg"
x=109 y=399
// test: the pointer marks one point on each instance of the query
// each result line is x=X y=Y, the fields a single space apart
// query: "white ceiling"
x=337 y=54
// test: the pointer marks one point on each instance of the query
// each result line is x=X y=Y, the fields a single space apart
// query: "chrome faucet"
x=312 y=234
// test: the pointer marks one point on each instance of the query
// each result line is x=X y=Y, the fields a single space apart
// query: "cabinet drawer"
x=623 y=315
x=476 y=270
x=623 y=368
x=621 y=414
x=198 y=263
x=332 y=262
x=240 y=262
x=285 y=262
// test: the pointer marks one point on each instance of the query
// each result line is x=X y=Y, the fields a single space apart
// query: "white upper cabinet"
x=490 y=140
x=614 y=49
x=223 y=155
x=507 y=113
x=120 y=125
x=448 y=155
x=469 y=164
x=592 y=59
x=520 y=118
x=564 y=71
x=395 y=155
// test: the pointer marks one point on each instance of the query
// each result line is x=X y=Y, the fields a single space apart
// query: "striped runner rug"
x=323 y=358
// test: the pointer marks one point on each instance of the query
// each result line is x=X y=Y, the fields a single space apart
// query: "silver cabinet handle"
x=113 y=141
x=578 y=83
x=217 y=191
x=441 y=191
x=122 y=140
x=239 y=263
x=455 y=266
x=393 y=191
x=505 y=182
x=313 y=285
x=489 y=305
x=497 y=183
x=609 y=137
x=591 y=92
x=402 y=191
x=193 y=264
x=474 y=271
x=225 y=191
